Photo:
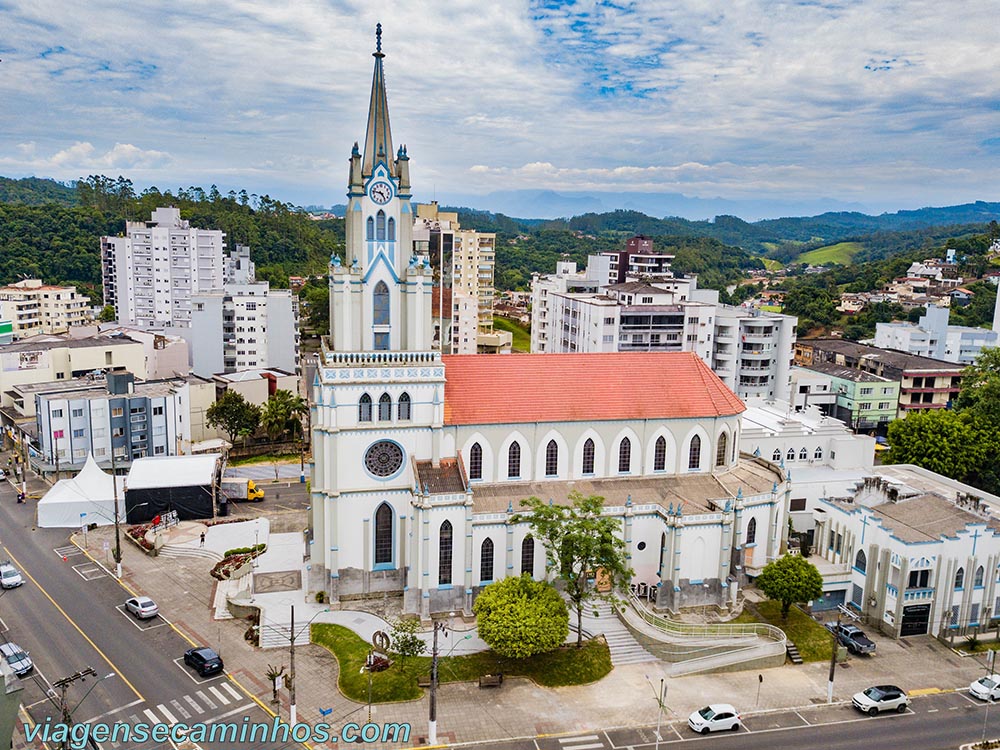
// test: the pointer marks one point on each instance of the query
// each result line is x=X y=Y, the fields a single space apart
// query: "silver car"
x=142 y=607
x=10 y=577
x=17 y=658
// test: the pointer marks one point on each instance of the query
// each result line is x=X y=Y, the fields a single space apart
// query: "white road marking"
x=180 y=709
x=133 y=718
x=241 y=710
x=171 y=719
x=231 y=690
x=209 y=701
x=218 y=694
x=194 y=704
x=151 y=716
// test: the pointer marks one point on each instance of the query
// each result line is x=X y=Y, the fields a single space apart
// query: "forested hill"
x=60 y=241
x=36 y=191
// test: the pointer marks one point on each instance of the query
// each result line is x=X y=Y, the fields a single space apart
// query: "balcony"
x=918 y=595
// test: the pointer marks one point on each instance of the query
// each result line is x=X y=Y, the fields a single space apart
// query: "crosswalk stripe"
x=209 y=701
x=591 y=746
x=231 y=690
x=180 y=709
x=152 y=717
x=133 y=719
x=578 y=738
x=218 y=694
x=194 y=704
x=171 y=719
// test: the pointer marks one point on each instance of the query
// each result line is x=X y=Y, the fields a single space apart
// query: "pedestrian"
x=202 y=539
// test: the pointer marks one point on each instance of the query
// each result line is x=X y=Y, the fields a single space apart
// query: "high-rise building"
x=33 y=307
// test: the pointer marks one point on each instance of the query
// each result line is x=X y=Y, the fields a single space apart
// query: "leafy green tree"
x=980 y=394
x=790 y=579
x=107 y=314
x=519 y=617
x=316 y=304
x=234 y=415
x=404 y=641
x=274 y=416
x=942 y=441
x=580 y=544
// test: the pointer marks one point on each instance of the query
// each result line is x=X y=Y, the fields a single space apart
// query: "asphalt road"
x=69 y=616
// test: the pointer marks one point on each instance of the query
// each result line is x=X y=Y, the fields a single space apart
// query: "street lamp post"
x=439 y=627
x=661 y=702
x=118 y=533
x=292 y=635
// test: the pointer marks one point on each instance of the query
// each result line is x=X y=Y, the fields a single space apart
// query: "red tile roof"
x=505 y=389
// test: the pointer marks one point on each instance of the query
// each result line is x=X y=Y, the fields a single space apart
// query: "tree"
x=275 y=415
x=234 y=415
x=980 y=394
x=404 y=640
x=790 y=579
x=520 y=617
x=942 y=441
x=580 y=544
x=107 y=314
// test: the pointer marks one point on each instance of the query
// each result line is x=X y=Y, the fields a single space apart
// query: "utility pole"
x=118 y=533
x=292 y=713
x=833 y=663
x=432 y=719
x=63 y=686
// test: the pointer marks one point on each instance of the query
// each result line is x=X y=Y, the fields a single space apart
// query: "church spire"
x=378 y=140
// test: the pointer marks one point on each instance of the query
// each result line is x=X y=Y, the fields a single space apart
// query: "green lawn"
x=771 y=264
x=565 y=666
x=771 y=308
x=841 y=253
x=812 y=639
x=522 y=337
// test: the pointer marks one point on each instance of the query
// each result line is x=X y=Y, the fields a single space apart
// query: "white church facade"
x=421 y=460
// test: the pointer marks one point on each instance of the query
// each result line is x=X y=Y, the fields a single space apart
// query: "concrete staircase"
x=624 y=648
x=181 y=550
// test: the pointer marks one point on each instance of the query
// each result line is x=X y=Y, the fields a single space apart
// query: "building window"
x=78 y=433
x=486 y=561
x=380 y=305
x=392 y=229
x=76 y=413
x=380 y=226
x=385 y=408
x=57 y=413
x=551 y=459
x=383 y=535
x=978 y=580
x=365 y=408
x=444 y=554
x=514 y=461
x=797 y=504
x=803 y=454
x=694 y=453
x=960 y=578
x=776 y=456
x=790 y=455
x=752 y=531
x=624 y=456
x=371 y=229
x=157 y=411
x=404 y=407
x=528 y=556
x=660 y=454
x=818 y=454
x=476 y=461
x=861 y=561
x=381 y=342
x=158 y=450
x=588 y=456
x=721 y=450
x=919 y=579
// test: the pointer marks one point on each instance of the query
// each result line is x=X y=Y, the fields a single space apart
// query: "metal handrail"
x=715 y=630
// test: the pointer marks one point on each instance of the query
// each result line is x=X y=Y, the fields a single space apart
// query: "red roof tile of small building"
x=511 y=389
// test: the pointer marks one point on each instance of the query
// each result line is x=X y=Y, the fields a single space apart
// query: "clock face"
x=383 y=458
x=380 y=192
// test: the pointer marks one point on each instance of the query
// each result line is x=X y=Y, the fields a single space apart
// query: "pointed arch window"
x=476 y=461
x=385 y=408
x=514 y=461
x=444 y=554
x=365 y=408
x=380 y=304
x=391 y=229
x=486 y=561
x=403 y=409
x=861 y=561
x=383 y=535
x=588 y=456
x=818 y=454
x=380 y=226
x=660 y=454
x=776 y=456
x=978 y=580
x=694 y=453
x=624 y=456
x=960 y=578
x=752 y=531
x=790 y=455
x=722 y=449
x=370 y=232
x=528 y=556
x=552 y=459
x=803 y=454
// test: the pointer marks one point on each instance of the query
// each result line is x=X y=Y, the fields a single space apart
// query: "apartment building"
x=865 y=402
x=639 y=260
x=151 y=274
x=931 y=336
x=464 y=261
x=33 y=308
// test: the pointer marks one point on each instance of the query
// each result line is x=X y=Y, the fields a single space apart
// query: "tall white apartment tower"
x=151 y=273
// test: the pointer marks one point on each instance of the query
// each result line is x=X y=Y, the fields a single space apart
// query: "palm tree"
x=297 y=408
x=275 y=416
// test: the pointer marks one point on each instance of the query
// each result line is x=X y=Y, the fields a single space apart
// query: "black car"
x=204 y=660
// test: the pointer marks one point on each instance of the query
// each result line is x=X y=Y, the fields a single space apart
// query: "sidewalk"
x=184 y=591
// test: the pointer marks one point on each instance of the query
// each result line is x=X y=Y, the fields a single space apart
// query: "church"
x=421 y=460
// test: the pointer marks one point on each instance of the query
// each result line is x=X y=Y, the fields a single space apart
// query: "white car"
x=986 y=688
x=881 y=698
x=10 y=577
x=714 y=718
x=142 y=607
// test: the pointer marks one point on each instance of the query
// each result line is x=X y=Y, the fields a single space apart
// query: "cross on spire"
x=378 y=37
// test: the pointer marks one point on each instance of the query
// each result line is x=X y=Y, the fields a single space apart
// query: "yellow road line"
x=928 y=691
x=27 y=721
x=73 y=623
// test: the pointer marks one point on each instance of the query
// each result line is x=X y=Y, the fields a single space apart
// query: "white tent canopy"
x=85 y=499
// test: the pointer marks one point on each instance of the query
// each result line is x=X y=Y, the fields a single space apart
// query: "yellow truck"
x=239 y=490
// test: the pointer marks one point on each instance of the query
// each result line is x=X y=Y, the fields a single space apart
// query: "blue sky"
x=889 y=104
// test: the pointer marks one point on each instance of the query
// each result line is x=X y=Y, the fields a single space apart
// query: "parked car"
x=204 y=660
x=17 y=658
x=714 y=718
x=853 y=637
x=880 y=698
x=10 y=577
x=986 y=688
x=142 y=607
